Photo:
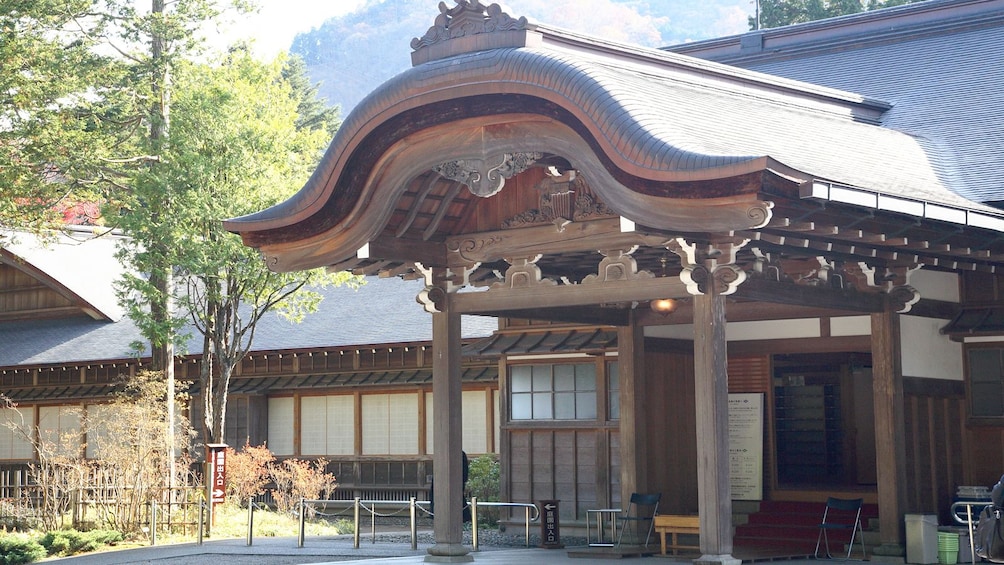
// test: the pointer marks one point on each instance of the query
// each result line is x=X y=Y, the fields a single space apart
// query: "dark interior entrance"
x=824 y=420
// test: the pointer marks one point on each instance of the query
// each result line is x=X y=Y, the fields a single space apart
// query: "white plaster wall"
x=936 y=285
x=675 y=331
x=927 y=353
x=745 y=331
x=850 y=325
x=772 y=329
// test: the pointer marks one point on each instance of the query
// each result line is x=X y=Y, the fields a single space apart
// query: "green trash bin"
x=948 y=548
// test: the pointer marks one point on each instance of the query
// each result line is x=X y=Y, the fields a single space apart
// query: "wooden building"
x=832 y=250
x=338 y=385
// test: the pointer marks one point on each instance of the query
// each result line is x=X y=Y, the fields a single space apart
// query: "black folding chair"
x=643 y=508
x=841 y=514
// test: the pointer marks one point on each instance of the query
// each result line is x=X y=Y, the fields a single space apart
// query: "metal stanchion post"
x=153 y=522
x=355 y=530
x=303 y=514
x=202 y=519
x=414 y=525
x=250 y=520
x=528 y=526
x=474 y=522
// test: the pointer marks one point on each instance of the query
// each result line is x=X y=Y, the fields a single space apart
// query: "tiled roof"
x=383 y=311
x=651 y=117
x=937 y=63
x=77 y=260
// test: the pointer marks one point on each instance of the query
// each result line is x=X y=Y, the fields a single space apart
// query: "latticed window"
x=986 y=382
x=553 y=392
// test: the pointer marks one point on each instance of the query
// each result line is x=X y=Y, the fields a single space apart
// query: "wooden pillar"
x=712 y=404
x=887 y=385
x=633 y=428
x=447 y=438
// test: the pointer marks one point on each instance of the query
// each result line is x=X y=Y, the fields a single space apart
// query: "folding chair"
x=643 y=508
x=841 y=514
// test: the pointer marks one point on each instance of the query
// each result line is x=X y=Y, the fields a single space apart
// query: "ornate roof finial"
x=468 y=17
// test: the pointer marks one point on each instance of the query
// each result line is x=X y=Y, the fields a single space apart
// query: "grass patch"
x=232 y=522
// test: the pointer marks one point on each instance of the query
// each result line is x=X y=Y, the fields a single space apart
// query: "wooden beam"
x=590 y=316
x=591 y=235
x=416 y=204
x=541 y=296
x=441 y=210
x=765 y=290
x=430 y=254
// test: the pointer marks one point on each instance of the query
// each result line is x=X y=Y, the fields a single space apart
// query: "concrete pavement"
x=338 y=549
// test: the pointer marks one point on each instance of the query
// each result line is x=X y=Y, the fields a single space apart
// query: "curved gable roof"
x=658 y=134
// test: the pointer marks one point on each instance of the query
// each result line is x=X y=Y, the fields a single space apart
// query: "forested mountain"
x=353 y=54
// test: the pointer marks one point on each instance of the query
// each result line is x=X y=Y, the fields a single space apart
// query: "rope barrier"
x=398 y=508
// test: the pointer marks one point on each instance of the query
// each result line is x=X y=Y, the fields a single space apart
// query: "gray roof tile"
x=942 y=76
x=383 y=311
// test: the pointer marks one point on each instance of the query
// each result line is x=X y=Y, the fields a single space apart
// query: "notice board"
x=746 y=445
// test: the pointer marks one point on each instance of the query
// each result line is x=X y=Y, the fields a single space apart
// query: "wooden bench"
x=675 y=524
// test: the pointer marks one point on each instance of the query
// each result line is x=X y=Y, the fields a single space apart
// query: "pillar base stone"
x=725 y=559
x=449 y=553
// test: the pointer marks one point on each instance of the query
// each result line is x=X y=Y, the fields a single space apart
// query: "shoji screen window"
x=16 y=425
x=327 y=425
x=59 y=429
x=280 y=425
x=390 y=424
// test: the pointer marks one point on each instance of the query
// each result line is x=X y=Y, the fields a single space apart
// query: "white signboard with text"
x=746 y=445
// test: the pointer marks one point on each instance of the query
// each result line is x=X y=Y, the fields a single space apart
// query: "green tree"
x=238 y=146
x=51 y=147
x=777 y=13
x=313 y=113
x=151 y=44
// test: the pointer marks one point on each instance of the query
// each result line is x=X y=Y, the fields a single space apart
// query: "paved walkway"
x=284 y=551
x=337 y=549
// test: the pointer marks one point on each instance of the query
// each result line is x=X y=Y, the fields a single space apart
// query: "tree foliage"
x=240 y=142
x=50 y=145
x=777 y=13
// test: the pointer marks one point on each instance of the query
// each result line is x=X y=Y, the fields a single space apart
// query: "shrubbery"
x=483 y=482
x=19 y=548
x=247 y=471
x=250 y=470
x=71 y=542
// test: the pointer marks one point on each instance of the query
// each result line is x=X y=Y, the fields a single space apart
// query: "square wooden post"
x=633 y=435
x=712 y=403
x=447 y=440
x=890 y=426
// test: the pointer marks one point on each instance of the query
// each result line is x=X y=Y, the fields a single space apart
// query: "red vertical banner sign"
x=217 y=476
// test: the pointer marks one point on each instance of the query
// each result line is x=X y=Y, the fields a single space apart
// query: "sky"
x=275 y=25
x=278 y=21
